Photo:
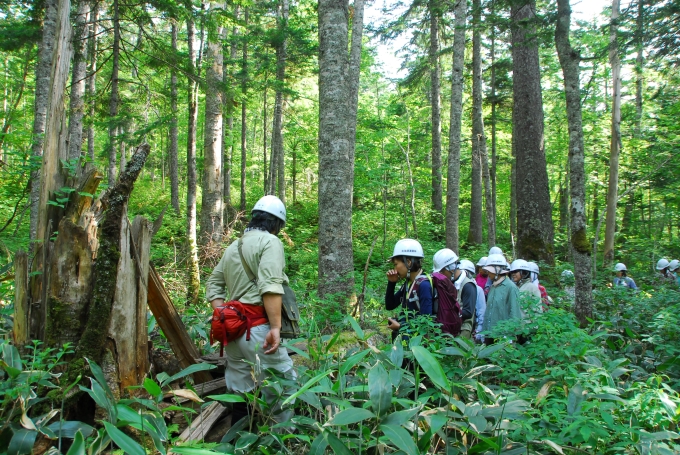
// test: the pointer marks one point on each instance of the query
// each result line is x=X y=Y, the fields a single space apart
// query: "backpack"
x=444 y=302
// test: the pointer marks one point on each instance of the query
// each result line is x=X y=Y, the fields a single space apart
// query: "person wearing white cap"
x=472 y=299
x=673 y=267
x=262 y=251
x=503 y=300
x=622 y=278
x=415 y=295
x=535 y=272
x=665 y=276
x=520 y=273
x=482 y=278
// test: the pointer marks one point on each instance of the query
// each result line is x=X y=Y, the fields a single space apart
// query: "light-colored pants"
x=247 y=362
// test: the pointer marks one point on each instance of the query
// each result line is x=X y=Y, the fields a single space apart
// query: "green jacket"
x=263 y=253
x=502 y=303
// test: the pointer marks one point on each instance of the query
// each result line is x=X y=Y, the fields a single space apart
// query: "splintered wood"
x=200 y=427
x=172 y=326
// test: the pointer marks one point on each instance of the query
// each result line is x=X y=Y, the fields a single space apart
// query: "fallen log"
x=200 y=427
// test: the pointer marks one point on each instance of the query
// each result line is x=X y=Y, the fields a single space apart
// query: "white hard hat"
x=519 y=264
x=620 y=267
x=482 y=262
x=567 y=274
x=271 y=204
x=466 y=265
x=495 y=250
x=496 y=263
x=534 y=268
x=443 y=258
x=662 y=264
x=408 y=247
x=674 y=264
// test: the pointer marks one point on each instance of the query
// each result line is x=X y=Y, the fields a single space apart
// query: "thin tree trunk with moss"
x=77 y=102
x=173 y=149
x=457 y=84
x=615 y=144
x=244 y=108
x=478 y=136
x=580 y=247
x=194 y=278
x=435 y=102
x=228 y=134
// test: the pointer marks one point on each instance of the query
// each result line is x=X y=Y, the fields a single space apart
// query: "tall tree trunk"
x=639 y=65
x=513 y=189
x=615 y=145
x=535 y=229
x=173 y=150
x=269 y=175
x=569 y=59
x=77 y=101
x=92 y=79
x=244 y=126
x=113 y=100
x=457 y=83
x=353 y=77
x=336 y=259
x=277 y=127
x=475 y=234
x=228 y=135
x=494 y=104
x=433 y=7
x=43 y=70
x=211 y=202
x=478 y=137
x=194 y=278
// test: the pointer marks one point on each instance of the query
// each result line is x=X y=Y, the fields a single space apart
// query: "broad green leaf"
x=486 y=352
x=246 y=440
x=357 y=328
x=307 y=386
x=658 y=436
x=78 y=446
x=100 y=378
x=476 y=371
x=22 y=442
x=554 y=446
x=152 y=388
x=452 y=350
x=187 y=371
x=399 y=418
x=510 y=410
x=227 y=398
x=125 y=442
x=379 y=389
x=319 y=445
x=352 y=361
x=351 y=415
x=336 y=444
x=432 y=367
x=478 y=422
x=397 y=353
x=610 y=397
x=235 y=428
x=69 y=428
x=11 y=356
x=575 y=398
x=400 y=438
x=100 y=442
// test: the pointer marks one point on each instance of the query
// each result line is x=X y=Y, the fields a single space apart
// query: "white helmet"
x=444 y=258
x=496 y=263
x=674 y=264
x=482 y=262
x=662 y=264
x=519 y=264
x=495 y=250
x=271 y=204
x=567 y=274
x=620 y=267
x=408 y=247
x=534 y=268
x=467 y=265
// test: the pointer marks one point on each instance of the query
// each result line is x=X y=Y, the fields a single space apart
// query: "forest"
x=137 y=137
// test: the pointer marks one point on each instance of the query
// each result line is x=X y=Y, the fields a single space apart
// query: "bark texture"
x=615 y=145
x=354 y=72
x=457 y=83
x=336 y=264
x=228 y=132
x=478 y=136
x=277 y=179
x=77 y=102
x=113 y=100
x=43 y=70
x=535 y=229
x=194 y=277
x=211 y=202
x=435 y=102
x=92 y=79
x=173 y=149
x=569 y=60
x=244 y=108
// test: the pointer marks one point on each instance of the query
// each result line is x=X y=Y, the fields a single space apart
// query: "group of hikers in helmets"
x=466 y=299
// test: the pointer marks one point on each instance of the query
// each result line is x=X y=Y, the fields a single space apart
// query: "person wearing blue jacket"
x=415 y=294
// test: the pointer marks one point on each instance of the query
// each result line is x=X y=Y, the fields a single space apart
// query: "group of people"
x=667 y=273
x=487 y=293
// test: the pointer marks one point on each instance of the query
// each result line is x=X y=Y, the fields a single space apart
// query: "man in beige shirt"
x=263 y=253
